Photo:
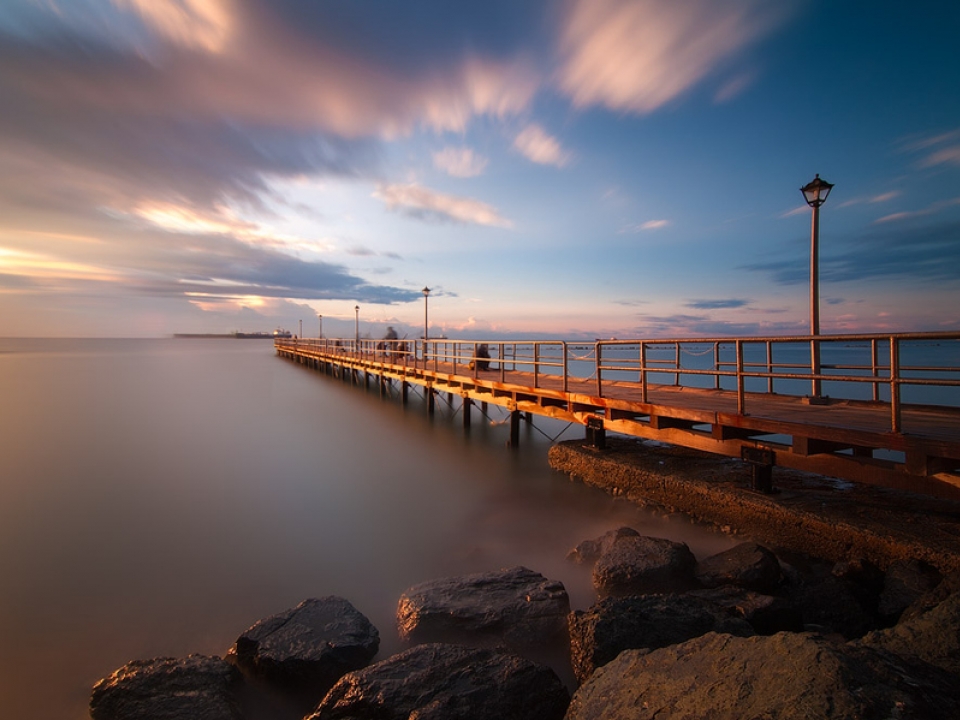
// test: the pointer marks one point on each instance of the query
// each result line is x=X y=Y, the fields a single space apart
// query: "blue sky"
x=577 y=168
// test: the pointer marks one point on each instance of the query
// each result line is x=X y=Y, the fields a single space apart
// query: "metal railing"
x=893 y=369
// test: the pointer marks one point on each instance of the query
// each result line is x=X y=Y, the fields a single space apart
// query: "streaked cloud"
x=638 y=55
x=717 y=304
x=871 y=199
x=931 y=209
x=644 y=226
x=202 y=24
x=459 y=162
x=908 y=252
x=420 y=202
x=536 y=145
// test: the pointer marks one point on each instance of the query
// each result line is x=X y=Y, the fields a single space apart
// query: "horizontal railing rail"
x=892 y=369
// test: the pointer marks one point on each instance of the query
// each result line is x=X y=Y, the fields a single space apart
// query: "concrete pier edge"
x=807 y=514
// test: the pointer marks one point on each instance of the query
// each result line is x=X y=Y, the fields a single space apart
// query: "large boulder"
x=612 y=625
x=516 y=607
x=767 y=614
x=589 y=551
x=747 y=565
x=309 y=647
x=639 y=565
x=830 y=603
x=197 y=687
x=933 y=636
x=789 y=676
x=906 y=581
x=447 y=682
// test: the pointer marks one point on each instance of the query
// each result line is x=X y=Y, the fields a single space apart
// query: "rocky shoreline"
x=862 y=622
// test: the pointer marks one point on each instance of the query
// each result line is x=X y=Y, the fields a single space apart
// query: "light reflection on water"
x=157 y=497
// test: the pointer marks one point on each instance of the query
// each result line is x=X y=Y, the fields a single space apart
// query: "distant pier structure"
x=876 y=409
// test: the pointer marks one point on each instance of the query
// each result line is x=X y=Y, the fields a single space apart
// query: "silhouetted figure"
x=481 y=357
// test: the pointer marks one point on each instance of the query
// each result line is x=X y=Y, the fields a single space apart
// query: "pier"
x=876 y=409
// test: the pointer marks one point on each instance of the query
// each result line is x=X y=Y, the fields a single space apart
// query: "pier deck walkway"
x=877 y=409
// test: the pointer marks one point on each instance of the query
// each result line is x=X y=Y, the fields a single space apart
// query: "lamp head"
x=816 y=191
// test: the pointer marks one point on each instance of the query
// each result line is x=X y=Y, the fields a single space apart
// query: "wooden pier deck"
x=888 y=420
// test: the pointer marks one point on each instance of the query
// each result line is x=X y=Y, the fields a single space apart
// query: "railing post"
x=815 y=368
x=716 y=365
x=676 y=364
x=563 y=349
x=769 y=367
x=873 y=363
x=536 y=364
x=598 y=357
x=643 y=372
x=741 y=399
x=894 y=384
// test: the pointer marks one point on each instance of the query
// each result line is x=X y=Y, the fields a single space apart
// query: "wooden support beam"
x=467 y=404
x=515 y=428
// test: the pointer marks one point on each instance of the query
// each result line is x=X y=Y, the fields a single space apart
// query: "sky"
x=548 y=168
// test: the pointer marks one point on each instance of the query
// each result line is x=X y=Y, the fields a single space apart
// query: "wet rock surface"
x=932 y=636
x=198 y=687
x=634 y=564
x=309 y=647
x=786 y=676
x=599 y=634
x=517 y=607
x=748 y=565
x=447 y=682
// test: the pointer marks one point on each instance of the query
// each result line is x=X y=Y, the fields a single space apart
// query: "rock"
x=612 y=625
x=947 y=587
x=789 y=676
x=830 y=604
x=590 y=550
x=933 y=636
x=748 y=565
x=863 y=579
x=767 y=614
x=638 y=565
x=447 y=682
x=197 y=687
x=517 y=607
x=309 y=647
x=906 y=582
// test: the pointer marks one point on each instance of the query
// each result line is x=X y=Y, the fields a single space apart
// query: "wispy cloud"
x=717 y=304
x=459 y=162
x=535 y=144
x=638 y=55
x=871 y=199
x=896 y=252
x=939 y=149
x=931 y=209
x=644 y=227
x=418 y=201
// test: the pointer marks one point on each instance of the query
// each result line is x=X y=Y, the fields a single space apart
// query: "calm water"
x=157 y=497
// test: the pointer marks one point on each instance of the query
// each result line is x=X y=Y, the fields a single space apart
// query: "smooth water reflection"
x=159 y=496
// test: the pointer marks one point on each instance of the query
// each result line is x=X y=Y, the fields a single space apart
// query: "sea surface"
x=158 y=497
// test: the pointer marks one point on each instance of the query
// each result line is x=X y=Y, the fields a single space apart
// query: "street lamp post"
x=320 y=318
x=356 y=309
x=815 y=193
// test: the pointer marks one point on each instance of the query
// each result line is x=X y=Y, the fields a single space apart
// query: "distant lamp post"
x=320 y=318
x=815 y=193
x=426 y=295
x=356 y=309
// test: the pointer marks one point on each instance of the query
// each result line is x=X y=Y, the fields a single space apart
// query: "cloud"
x=717 y=304
x=418 y=201
x=931 y=209
x=201 y=24
x=536 y=145
x=901 y=252
x=644 y=227
x=943 y=156
x=638 y=55
x=459 y=162
x=872 y=200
